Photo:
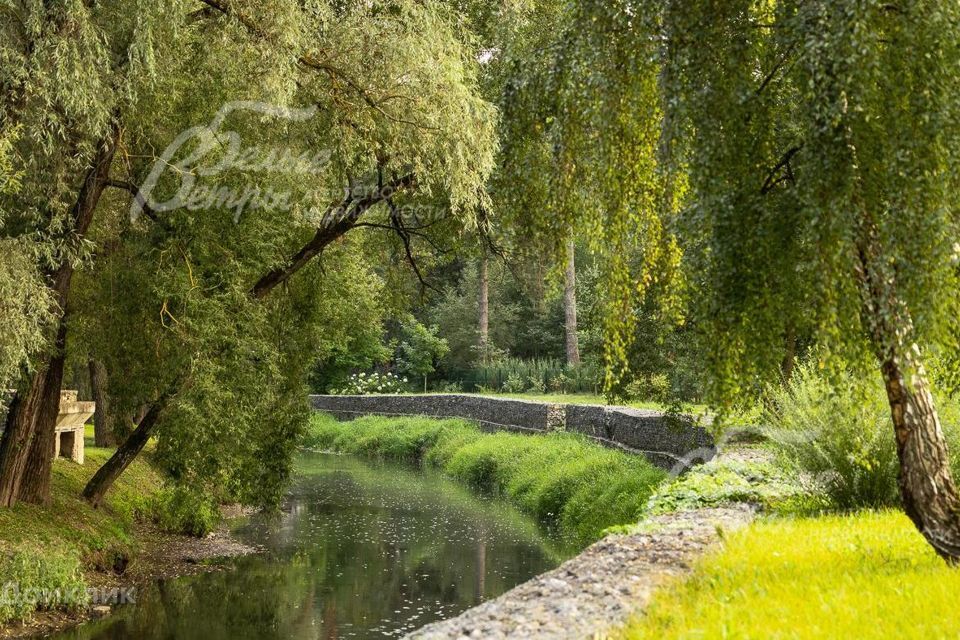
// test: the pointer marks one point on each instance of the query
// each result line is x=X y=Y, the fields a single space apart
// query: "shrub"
x=186 y=511
x=450 y=387
x=536 y=385
x=723 y=481
x=659 y=387
x=839 y=436
x=513 y=384
x=584 y=378
x=362 y=384
x=560 y=383
x=652 y=388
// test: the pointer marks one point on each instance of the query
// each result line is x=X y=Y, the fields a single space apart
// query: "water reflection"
x=364 y=550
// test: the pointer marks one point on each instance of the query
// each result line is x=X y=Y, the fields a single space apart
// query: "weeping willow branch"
x=772 y=179
x=337 y=221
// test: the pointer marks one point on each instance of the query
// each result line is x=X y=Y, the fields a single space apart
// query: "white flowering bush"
x=362 y=384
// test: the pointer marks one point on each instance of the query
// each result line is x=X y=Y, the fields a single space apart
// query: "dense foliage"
x=839 y=146
x=172 y=295
x=218 y=204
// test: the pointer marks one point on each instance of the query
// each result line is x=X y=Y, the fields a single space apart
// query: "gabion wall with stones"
x=670 y=442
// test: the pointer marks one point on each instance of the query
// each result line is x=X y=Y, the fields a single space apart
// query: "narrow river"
x=362 y=550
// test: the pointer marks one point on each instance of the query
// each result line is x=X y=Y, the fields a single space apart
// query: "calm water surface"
x=362 y=550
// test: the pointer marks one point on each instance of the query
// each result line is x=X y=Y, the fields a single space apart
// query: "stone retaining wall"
x=667 y=441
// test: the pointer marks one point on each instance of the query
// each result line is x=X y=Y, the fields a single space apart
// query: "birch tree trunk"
x=929 y=494
x=570 y=305
x=484 y=306
x=927 y=488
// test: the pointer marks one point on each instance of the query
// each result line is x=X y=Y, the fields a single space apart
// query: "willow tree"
x=67 y=70
x=96 y=91
x=394 y=105
x=821 y=139
x=78 y=78
x=580 y=128
x=27 y=305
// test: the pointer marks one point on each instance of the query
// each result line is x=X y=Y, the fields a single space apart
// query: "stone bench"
x=71 y=421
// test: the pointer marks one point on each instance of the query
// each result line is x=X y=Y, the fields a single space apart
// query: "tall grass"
x=573 y=486
x=48 y=548
x=838 y=434
x=35 y=578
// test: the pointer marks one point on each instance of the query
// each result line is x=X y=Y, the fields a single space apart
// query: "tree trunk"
x=35 y=483
x=570 y=305
x=106 y=475
x=26 y=449
x=484 y=304
x=18 y=436
x=927 y=489
x=929 y=494
x=104 y=434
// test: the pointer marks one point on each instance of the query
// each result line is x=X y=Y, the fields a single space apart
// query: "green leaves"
x=420 y=348
x=26 y=310
x=581 y=129
x=393 y=90
x=801 y=123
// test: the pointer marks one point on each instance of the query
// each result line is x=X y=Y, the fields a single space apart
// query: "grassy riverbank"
x=52 y=547
x=55 y=552
x=574 y=486
x=868 y=575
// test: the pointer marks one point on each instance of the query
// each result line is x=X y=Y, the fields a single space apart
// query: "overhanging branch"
x=783 y=165
x=396 y=222
x=126 y=185
x=337 y=221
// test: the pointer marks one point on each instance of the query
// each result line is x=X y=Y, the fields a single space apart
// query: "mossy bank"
x=576 y=488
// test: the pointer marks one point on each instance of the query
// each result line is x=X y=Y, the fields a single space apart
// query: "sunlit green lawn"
x=865 y=576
